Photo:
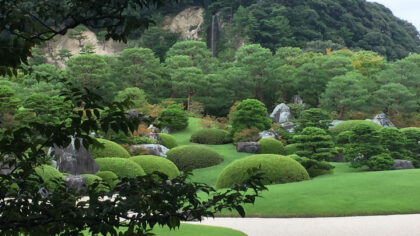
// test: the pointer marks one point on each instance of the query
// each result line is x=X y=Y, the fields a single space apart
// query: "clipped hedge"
x=49 y=175
x=277 y=169
x=111 y=149
x=108 y=177
x=210 y=136
x=168 y=140
x=313 y=167
x=350 y=124
x=413 y=138
x=190 y=157
x=151 y=163
x=290 y=149
x=92 y=179
x=271 y=146
x=122 y=167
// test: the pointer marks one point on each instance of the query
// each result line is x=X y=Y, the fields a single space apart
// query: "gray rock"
x=382 y=120
x=152 y=149
x=73 y=161
x=5 y=167
x=154 y=134
x=268 y=134
x=166 y=130
x=402 y=165
x=281 y=113
x=75 y=182
x=335 y=123
x=289 y=126
x=248 y=147
x=296 y=99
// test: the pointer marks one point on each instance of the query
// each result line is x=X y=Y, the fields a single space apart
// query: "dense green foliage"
x=189 y=157
x=312 y=166
x=122 y=167
x=380 y=162
x=250 y=113
x=108 y=177
x=313 y=117
x=291 y=149
x=109 y=149
x=210 y=136
x=350 y=124
x=246 y=135
x=96 y=182
x=173 y=117
x=413 y=138
x=151 y=164
x=49 y=175
x=277 y=169
x=394 y=142
x=271 y=146
x=314 y=143
x=168 y=140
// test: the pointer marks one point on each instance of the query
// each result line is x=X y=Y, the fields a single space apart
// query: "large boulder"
x=75 y=182
x=402 y=165
x=268 y=134
x=296 y=99
x=154 y=134
x=281 y=113
x=382 y=120
x=248 y=147
x=289 y=126
x=151 y=149
x=72 y=160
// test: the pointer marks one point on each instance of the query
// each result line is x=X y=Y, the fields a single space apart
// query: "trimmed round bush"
x=49 y=175
x=190 y=157
x=271 y=146
x=290 y=149
x=344 y=137
x=122 y=167
x=92 y=179
x=277 y=169
x=313 y=167
x=413 y=138
x=111 y=149
x=151 y=163
x=168 y=140
x=174 y=117
x=108 y=177
x=380 y=162
x=210 y=136
x=350 y=124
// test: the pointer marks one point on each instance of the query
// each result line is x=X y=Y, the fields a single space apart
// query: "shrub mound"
x=92 y=179
x=380 y=162
x=111 y=149
x=350 y=124
x=190 y=157
x=210 y=136
x=271 y=146
x=314 y=167
x=122 y=167
x=277 y=169
x=108 y=177
x=168 y=140
x=49 y=175
x=290 y=149
x=173 y=117
x=151 y=163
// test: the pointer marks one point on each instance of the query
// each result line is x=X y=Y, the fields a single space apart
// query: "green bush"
x=122 y=167
x=290 y=149
x=110 y=149
x=277 y=169
x=246 y=135
x=413 y=138
x=141 y=140
x=168 y=140
x=173 y=117
x=151 y=163
x=314 y=167
x=210 y=136
x=271 y=146
x=49 y=175
x=344 y=137
x=108 y=177
x=250 y=113
x=380 y=162
x=314 y=143
x=190 y=157
x=285 y=135
x=92 y=179
x=314 y=117
x=350 y=124
x=394 y=141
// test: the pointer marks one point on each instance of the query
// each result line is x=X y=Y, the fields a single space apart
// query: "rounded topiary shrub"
x=350 y=124
x=271 y=146
x=122 y=167
x=277 y=169
x=313 y=167
x=108 y=177
x=210 y=136
x=190 y=157
x=93 y=179
x=151 y=163
x=110 y=149
x=173 y=117
x=413 y=138
x=380 y=162
x=168 y=140
x=290 y=149
x=49 y=175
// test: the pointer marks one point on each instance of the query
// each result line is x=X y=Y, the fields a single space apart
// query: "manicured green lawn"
x=194 y=230
x=347 y=191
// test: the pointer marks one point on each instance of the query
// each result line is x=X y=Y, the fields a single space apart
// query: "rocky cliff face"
x=187 y=22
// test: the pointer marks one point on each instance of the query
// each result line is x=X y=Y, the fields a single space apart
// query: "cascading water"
x=214 y=28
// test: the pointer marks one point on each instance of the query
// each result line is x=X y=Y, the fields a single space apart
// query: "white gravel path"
x=392 y=225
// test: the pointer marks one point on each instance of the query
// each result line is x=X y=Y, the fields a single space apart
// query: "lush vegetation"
x=191 y=157
x=122 y=167
x=173 y=117
x=350 y=124
x=210 y=136
x=151 y=164
x=271 y=146
x=109 y=149
x=109 y=177
x=277 y=169
x=168 y=140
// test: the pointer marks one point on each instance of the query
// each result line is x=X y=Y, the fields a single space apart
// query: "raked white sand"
x=392 y=225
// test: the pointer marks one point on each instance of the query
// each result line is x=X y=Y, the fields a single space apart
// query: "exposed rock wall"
x=187 y=22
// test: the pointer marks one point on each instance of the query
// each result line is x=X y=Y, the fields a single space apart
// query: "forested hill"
x=330 y=23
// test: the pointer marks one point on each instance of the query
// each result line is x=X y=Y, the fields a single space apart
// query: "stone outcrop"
x=281 y=113
x=187 y=22
x=268 y=134
x=154 y=134
x=152 y=149
x=289 y=126
x=248 y=147
x=75 y=182
x=382 y=120
x=402 y=165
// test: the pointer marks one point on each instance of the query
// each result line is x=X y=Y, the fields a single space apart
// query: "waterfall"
x=214 y=29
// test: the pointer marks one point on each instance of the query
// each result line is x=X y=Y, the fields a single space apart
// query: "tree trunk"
x=340 y=116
